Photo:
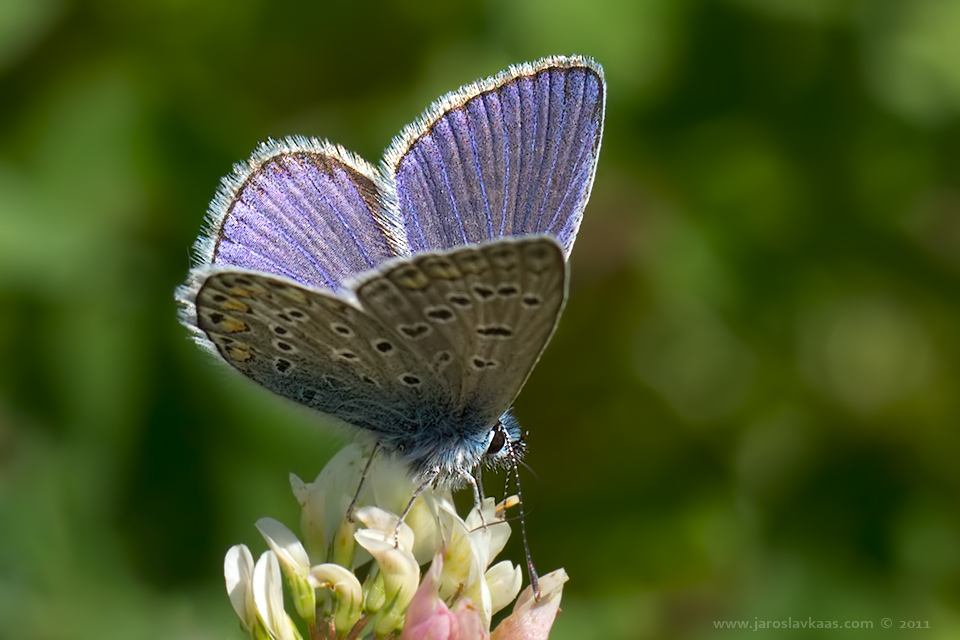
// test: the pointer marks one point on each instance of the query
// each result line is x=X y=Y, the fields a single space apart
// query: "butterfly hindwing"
x=316 y=349
x=479 y=315
x=512 y=155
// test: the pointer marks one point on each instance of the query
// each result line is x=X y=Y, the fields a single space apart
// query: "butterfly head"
x=505 y=445
x=452 y=452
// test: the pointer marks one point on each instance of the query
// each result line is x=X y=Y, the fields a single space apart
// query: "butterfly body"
x=410 y=303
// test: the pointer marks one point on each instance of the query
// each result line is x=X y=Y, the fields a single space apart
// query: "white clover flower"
x=338 y=592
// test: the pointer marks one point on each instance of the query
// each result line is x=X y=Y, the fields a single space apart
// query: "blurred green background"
x=749 y=411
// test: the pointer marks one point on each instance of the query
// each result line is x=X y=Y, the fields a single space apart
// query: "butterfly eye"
x=498 y=440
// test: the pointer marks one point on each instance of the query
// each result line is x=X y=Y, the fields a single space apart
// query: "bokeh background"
x=750 y=410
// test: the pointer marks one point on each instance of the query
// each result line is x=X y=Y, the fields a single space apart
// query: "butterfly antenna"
x=536 y=503
x=531 y=571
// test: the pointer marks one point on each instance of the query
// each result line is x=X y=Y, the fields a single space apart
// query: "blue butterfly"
x=410 y=302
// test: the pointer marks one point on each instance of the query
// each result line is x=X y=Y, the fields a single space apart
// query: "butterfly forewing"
x=478 y=316
x=513 y=155
x=316 y=349
x=302 y=209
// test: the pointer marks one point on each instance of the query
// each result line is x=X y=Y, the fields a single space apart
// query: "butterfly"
x=410 y=301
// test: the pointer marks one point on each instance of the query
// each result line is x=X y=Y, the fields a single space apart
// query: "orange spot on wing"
x=232 y=325
x=235 y=305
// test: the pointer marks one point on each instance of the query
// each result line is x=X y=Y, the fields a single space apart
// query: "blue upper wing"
x=511 y=155
x=303 y=209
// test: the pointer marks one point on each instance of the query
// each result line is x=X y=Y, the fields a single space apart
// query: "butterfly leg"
x=479 y=478
x=352 y=509
x=427 y=481
x=477 y=499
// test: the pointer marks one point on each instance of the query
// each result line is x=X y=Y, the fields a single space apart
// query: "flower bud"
x=238 y=573
x=347 y=593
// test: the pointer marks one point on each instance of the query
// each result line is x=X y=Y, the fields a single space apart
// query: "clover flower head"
x=358 y=579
